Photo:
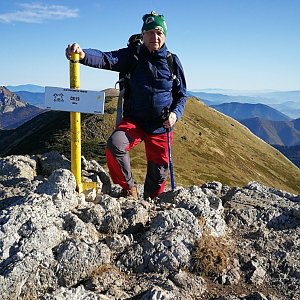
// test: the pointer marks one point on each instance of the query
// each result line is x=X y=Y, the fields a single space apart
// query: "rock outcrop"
x=9 y=101
x=14 y=111
x=203 y=242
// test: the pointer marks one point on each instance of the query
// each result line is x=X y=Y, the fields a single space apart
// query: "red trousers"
x=127 y=135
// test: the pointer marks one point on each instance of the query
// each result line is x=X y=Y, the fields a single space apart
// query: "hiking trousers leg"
x=156 y=146
x=127 y=135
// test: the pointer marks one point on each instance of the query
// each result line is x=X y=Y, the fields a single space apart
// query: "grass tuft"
x=212 y=255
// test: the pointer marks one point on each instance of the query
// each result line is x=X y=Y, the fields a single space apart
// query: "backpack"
x=135 y=41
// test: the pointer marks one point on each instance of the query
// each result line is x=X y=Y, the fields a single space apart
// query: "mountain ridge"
x=240 y=111
x=207 y=146
x=33 y=98
x=33 y=88
x=287 y=102
x=292 y=152
x=275 y=132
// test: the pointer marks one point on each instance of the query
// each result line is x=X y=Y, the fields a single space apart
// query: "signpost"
x=75 y=101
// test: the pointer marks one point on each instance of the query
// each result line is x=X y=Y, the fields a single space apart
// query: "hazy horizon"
x=233 y=44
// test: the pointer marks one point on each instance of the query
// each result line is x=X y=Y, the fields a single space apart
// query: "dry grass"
x=210 y=146
x=105 y=268
x=212 y=255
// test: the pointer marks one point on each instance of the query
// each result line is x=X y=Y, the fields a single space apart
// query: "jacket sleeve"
x=117 y=60
x=179 y=90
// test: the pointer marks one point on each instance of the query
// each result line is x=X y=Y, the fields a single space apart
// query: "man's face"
x=154 y=39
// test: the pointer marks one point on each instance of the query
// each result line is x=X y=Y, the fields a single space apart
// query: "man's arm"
x=117 y=60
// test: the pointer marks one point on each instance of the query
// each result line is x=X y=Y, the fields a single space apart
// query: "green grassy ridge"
x=207 y=146
x=211 y=146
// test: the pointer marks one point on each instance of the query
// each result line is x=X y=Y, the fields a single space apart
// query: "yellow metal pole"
x=75 y=128
x=75 y=124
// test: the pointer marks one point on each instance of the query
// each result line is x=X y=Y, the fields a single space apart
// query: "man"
x=151 y=90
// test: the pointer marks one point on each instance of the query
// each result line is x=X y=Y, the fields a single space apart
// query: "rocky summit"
x=202 y=242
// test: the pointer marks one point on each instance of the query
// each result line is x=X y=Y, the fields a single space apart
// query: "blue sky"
x=228 y=44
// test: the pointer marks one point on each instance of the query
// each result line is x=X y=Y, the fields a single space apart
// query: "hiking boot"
x=132 y=193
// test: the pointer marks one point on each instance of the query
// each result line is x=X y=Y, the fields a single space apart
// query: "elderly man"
x=151 y=90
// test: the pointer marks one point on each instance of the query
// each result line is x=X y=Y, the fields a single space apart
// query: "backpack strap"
x=122 y=84
x=134 y=63
x=170 y=61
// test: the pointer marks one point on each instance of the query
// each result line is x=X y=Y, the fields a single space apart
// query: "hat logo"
x=159 y=28
x=149 y=20
x=165 y=24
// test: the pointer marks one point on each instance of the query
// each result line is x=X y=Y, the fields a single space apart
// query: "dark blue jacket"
x=150 y=85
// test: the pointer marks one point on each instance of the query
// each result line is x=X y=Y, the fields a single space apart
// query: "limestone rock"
x=167 y=245
x=15 y=167
x=51 y=161
x=56 y=244
x=77 y=260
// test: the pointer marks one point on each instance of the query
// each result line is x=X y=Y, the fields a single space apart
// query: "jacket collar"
x=161 y=53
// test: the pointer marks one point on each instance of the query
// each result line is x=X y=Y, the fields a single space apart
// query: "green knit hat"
x=154 y=21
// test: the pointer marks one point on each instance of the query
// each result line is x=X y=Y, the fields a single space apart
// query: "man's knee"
x=118 y=142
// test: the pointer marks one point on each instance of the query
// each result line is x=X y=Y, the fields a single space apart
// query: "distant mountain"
x=275 y=132
x=273 y=95
x=33 y=98
x=292 y=152
x=281 y=96
x=289 y=108
x=215 y=98
x=26 y=88
x=296 y=124
x=9 y=101
x=14 y=111
x=240 y=111
x=232 y=92
x=286 y=102
x=208 y=146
